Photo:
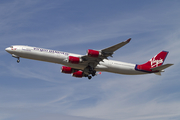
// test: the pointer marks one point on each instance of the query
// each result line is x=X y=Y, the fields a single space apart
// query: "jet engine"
x=93 y=53
x=67 y=70
x=74 y=60
x=78 y=74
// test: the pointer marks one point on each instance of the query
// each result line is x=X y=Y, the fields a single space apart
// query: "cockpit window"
x=11 y=47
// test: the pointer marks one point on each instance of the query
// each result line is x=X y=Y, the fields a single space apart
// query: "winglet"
x=128 y=40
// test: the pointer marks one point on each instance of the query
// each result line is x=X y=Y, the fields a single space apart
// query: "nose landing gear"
x=18 y=60
x=15 y=56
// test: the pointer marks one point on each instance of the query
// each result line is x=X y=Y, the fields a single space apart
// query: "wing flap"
x=162 y=67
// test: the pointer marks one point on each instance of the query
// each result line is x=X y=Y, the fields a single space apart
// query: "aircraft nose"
x=8 y=49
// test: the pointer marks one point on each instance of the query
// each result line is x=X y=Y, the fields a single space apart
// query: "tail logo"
x=154 y=62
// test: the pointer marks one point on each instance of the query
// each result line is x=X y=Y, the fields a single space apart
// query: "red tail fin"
x=153 y=62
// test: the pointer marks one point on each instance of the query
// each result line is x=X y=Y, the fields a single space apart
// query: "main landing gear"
x=89 y=77
x=15 y=56
x=91 y=72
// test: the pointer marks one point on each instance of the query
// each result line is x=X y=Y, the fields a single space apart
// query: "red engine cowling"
x=93 y=53
x=74 y=60
x=78 y=74
x=66 y=69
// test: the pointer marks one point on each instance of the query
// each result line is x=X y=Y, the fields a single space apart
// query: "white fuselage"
x=60 y=57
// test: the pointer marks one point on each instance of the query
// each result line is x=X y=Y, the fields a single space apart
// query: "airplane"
x=95 y=60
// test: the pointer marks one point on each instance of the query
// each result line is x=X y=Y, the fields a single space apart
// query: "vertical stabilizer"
x=156 y=61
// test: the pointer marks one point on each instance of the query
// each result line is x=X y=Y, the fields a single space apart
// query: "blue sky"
x=37 y=90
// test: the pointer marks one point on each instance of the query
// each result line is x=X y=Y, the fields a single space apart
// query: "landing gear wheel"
x=94 y=73
x=18 y=61
x=89 y=77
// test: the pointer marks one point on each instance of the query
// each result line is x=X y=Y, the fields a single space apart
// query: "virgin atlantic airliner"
x=95 y=60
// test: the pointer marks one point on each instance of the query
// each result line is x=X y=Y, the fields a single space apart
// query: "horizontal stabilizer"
x=162 y=67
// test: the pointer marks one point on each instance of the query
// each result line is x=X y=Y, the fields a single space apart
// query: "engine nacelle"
x=67 y=70
x=93 y=53
x=78 y=74
x=74 y=60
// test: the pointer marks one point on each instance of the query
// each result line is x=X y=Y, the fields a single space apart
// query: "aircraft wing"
x=101 y=54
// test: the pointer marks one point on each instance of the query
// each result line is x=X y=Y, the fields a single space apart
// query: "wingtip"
x=171 y=64
x=128 y=40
